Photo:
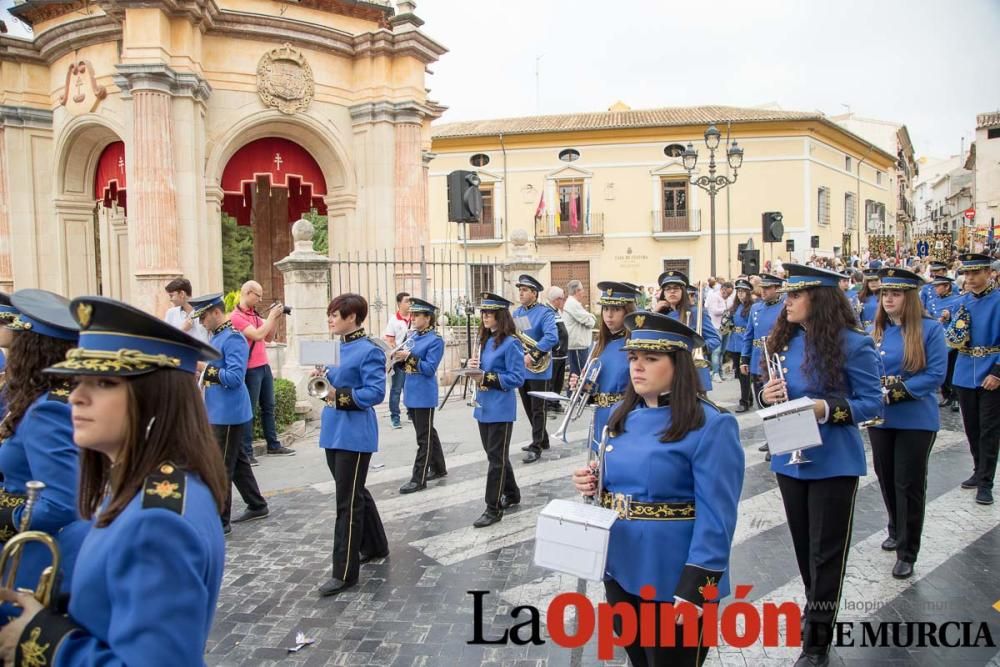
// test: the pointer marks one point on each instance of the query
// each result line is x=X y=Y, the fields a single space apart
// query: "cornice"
x=11 y=116
x=59 y=40
x=391 y=112
x=158 y=77
x=201 y=13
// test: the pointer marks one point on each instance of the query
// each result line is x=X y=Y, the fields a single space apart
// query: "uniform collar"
x=773 y=301
x=620 y=334
x=989 y=288
x=421 y=332
x=355 y=335
x=663 y=400
x=222 y=327
x=531 y=306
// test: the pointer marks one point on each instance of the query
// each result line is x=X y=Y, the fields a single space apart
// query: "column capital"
x=161 y=78
x=409 y=111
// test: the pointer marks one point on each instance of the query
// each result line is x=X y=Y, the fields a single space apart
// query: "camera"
x=287 y=310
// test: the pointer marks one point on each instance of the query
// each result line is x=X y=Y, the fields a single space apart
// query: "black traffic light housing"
x=465 y=201
x=813 y=242
x=790 y=245
x=773 y=228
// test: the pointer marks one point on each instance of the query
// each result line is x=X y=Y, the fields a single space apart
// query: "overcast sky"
x=931 y=64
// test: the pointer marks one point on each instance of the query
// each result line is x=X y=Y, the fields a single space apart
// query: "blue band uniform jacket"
x=762 y=318
x=936 y=305
x=687 y=546
x=543 y=331
x=612 y=382
x=712 y=341
x=226 y=397
x=145 y=587
x=868 y=310
x=980 y=355
x=503 y=369
x=420 y=389
x=41 y=448
x=740 y=324
x=842 y=452
x=357 y=386
x=927 y=293
x=911 y=401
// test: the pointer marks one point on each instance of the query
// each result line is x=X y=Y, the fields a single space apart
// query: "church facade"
x=128 y=127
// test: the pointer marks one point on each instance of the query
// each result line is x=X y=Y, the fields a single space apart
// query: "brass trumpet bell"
x=10 y=556
x=318 y=387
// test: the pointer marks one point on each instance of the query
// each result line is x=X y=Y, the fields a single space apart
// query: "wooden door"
x=563 y=272
x=272 y=241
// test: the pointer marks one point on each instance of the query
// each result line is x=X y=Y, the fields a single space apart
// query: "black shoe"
x=944 y=402
x=902 y=570
x=527 y=448
x=954 y=406
x=487 y=519
x=506 y=502
x=813 y=660
x=431 y=476
x=743 y=408
x=890 y=544
x=984 y=496
x=531 y=456
x=412 y=487
x=767 y=457
x=278 y=451
x=333 y=586
x=971 y=483
x=545 y=446
x=364 y=558
x=250 y=515
x=254 y=461
x=227 y=529
x=763 y=448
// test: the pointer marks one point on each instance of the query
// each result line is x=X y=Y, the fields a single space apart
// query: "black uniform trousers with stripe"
x=900 y=458
x=981 y=418
x=358 y=529
x=430 y=457
x=537 y=411
x=820 y=516
x=678 y=655
x=238 y=470
x=500 y=475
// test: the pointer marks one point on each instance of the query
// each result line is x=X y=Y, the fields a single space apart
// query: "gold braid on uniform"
x=839 y=412
x=411 y=364
x=898 y=393
x=8 y=525
x=344 y=400
x=41 y=638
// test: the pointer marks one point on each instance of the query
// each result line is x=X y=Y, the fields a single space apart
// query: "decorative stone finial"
x=519 y=239
x=302 y=230
x=405 y=7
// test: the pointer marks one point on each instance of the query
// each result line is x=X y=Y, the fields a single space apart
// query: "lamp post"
x=712 y=183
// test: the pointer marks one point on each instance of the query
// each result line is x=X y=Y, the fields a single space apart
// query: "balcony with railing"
x=675 y=224
x=554 y=228
x=484 y=233
x=904 y=208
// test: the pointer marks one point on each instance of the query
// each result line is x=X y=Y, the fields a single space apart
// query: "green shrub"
x=231 y=299
x=284 y=408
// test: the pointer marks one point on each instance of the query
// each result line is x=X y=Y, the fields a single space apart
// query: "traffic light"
x=750 y=262
x=772 y=225
x=465 y=201
x=790 y=245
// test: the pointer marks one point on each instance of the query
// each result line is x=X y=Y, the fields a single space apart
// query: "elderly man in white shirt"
x=716 y=303
x=579 y=325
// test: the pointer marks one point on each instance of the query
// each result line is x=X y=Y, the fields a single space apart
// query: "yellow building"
x=613 y=199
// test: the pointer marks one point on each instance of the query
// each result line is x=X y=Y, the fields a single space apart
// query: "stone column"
x=520 y=261
x=6 y=273
x=306 y=273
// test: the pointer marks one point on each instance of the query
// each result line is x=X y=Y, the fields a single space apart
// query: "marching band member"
x=544 y=332
x=823 y=356
x=852 y=297
x=7 y=314
x=152 y=485
x=349 y=435
x=868 y=298
x=227 y=401
x=682 y=305
x=501 y=359
x=975 y=332
x=737 y=321
x=914 y=359
x=763 y=315
x=38 y=431
x=937 y=269
x=673 y=469
x=944 y=301
x=617 y=301
x=420 y=392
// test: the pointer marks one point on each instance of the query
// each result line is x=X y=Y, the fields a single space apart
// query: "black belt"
x=647 y=511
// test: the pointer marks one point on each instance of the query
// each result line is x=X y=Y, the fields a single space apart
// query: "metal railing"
x=678 y=221
x=486 y=231
x=556 y=227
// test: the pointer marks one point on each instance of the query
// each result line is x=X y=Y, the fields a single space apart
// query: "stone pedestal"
x=306 y=275
x=520 y=261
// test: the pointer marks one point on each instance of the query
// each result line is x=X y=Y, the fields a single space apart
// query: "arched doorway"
x=267 y=185
x=110 y=187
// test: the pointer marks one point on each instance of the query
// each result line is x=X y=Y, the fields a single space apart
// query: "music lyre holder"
x=776 y=372
x=469 y=310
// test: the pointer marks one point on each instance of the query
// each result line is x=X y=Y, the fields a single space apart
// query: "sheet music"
x=319 y=352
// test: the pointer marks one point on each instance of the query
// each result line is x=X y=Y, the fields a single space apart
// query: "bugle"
x=10 y=556
x=585 y=385
x=405 y=346
x=318 y=386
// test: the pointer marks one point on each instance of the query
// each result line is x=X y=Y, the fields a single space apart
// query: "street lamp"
x=712 y=183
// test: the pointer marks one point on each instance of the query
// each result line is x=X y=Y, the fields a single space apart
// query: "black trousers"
x=430 y=458
x=500 y=475
x=820 y=516
x=981 y=418
x=757 y=383
x=558 y=374
x=947 y=391
x=900 y=460
x=537 y=410
x=238 y=470
x=659 y=656
x=359 y=527
x=745 y=397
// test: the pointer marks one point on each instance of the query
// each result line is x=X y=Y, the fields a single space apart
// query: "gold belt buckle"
x=622 y=505
x=979 y=352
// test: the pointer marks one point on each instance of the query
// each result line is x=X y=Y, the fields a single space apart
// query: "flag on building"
x=540 y=210
x=574 y=218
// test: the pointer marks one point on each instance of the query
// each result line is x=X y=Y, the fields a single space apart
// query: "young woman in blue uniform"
x=349 y=435
x=824 y=357
x=501 y=359
x=868 y=298
x=152 y=485
x=763 y=315
x=420 y=393
x=8 y=313
x=676 y=302
x=736 y=322
x=38 y=430
x=914 y=360
x=943 y=301
x=673 y=469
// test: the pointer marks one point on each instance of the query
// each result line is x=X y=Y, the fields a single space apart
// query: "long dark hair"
x=180 y=434
x=505 y=327
x=30 y=353
x=865 y=291
x=686 y=413
x=737 y=303
x=683 y=306
x=829 y=314
x=604 y=333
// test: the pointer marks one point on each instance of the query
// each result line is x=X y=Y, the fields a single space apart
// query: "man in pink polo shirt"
x=259 y=331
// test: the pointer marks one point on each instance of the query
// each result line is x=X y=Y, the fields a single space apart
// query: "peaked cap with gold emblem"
x=899 y=279
x=616 y=294
x=43 y=312
x=655 y=332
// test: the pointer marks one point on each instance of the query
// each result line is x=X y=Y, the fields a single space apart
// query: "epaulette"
x=60 y=393
x=165 y=489
x=719 y=408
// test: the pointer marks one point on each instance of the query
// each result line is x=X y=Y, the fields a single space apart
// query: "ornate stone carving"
x=81 y=94
x=285 y=80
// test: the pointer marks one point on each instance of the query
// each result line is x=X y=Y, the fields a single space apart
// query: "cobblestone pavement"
x=413 y=607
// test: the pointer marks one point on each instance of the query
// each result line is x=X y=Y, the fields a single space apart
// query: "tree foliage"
x=237 y=254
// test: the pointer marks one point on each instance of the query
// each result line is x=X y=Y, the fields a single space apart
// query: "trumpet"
x=698 y=354
x=14 y=547
x=473 y=401
x=405 y=346
x=599 y=456
x=585 y=386
x=318 y=386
